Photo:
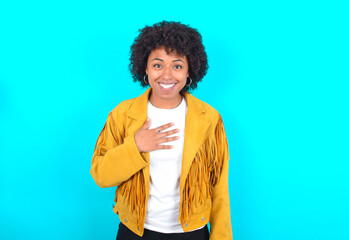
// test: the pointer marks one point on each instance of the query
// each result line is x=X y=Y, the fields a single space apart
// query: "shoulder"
x=133 y=105
x=117 y=117
x=124 y=105
x=210 y=113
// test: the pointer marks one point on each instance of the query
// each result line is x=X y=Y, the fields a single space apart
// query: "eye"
x=157 y=65
x=178 y=67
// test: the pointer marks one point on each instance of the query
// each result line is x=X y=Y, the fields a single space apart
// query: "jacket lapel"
x=196 y=127
x=139 y=110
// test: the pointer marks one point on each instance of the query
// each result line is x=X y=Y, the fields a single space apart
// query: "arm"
x=220 y=220
x=115 y=159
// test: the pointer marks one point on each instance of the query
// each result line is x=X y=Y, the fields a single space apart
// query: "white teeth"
x=167 y=85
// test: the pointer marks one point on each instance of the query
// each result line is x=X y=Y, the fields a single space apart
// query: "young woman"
x=166 y=151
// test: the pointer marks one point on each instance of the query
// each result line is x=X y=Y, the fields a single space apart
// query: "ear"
x=146 y=70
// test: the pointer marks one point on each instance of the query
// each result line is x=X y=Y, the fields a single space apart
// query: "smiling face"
x=167 y=75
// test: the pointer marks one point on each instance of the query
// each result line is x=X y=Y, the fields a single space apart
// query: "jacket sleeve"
x=115 y=159
x=220 y=220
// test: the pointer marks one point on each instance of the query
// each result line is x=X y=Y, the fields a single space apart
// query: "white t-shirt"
x=165 y=170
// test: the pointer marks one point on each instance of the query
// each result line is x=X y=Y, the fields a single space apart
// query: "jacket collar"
x=140 y=105
x=196 y=126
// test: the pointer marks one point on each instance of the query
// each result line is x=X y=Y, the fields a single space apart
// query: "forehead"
x=162 y=53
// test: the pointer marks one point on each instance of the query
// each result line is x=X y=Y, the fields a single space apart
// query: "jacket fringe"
x=204 y=172
x=100 y=139
x=103 y=136
x=203 y=175
x=133 y=190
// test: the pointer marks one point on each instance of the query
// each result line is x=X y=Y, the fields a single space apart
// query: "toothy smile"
x=167 y=85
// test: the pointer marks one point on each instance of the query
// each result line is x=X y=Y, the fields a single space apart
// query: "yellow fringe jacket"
x=204 y=195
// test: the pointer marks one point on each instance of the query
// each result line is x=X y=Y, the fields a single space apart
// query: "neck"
x=165 y=103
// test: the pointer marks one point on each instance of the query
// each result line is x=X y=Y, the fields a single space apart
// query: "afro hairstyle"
x=174 y=37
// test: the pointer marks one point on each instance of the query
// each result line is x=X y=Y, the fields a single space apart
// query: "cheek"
x=182 y=77
x=153 y=75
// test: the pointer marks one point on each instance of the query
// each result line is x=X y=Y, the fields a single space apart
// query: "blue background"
x=278 y=75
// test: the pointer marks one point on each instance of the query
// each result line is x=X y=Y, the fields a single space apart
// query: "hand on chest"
x=161 y=117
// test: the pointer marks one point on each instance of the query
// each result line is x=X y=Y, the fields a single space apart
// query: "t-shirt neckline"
x=168 y=109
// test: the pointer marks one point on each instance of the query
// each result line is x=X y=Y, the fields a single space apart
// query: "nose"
x=167 y=73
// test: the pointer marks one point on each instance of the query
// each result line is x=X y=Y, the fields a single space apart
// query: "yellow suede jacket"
x=204 y=195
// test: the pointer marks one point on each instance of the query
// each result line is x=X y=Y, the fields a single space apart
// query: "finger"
x=165 y=126
x=167 y=133
x=168 y=139
x=146 y=124
x=164 y=147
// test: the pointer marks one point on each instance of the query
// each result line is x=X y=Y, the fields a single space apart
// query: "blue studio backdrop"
x=278 y=75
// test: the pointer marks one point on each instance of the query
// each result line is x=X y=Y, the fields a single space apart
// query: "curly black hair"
x=175 y=37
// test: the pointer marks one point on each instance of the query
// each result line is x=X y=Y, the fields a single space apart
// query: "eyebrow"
x=177 y=60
